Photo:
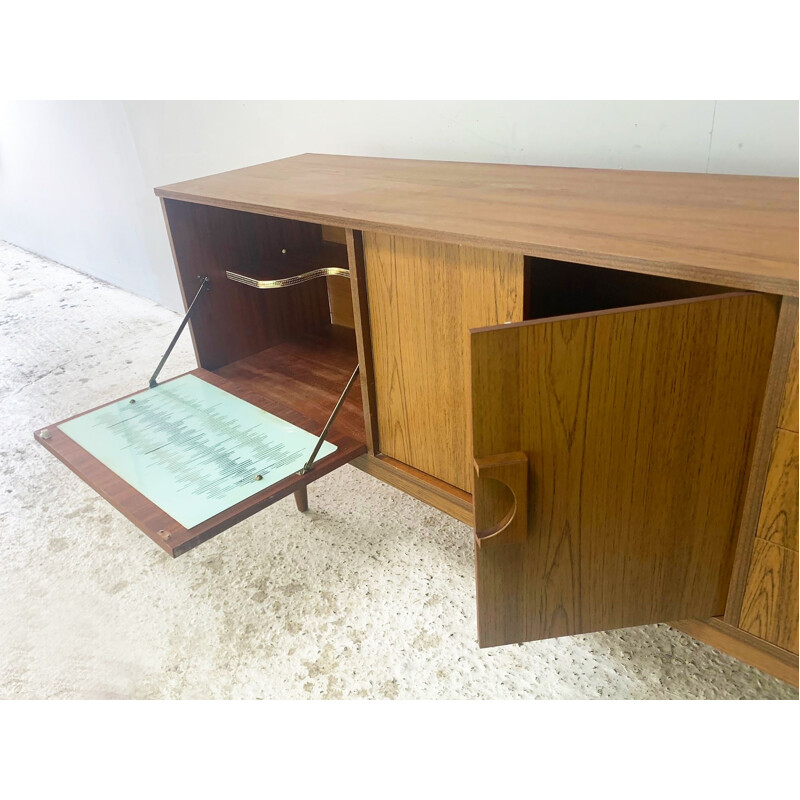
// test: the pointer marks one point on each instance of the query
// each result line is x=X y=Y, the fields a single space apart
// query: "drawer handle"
x=500 y=498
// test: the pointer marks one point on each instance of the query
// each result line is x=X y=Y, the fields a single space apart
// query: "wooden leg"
x=301 y=498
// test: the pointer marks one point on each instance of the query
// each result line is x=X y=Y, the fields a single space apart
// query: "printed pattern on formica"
x=423 y=299
x=638 y=425
x=159 y=526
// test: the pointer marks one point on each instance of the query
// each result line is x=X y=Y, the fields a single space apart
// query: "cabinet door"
x=611 y=452
x=423 y=299
x=181 y=482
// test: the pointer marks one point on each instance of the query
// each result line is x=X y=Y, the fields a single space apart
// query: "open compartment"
x=273 y=366
x=294 y=344
x=561 y=288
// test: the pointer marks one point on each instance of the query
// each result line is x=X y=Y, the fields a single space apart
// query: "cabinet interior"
x=559 y=288
x=295 y=345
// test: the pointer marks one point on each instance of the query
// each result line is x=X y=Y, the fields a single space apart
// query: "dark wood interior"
x=235 y=321
x=276 y=348
x=277 y=343
x=308 y=374
x=557 y=288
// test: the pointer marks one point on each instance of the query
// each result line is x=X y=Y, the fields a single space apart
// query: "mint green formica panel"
x=192 y=448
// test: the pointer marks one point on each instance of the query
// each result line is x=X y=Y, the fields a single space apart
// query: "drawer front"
x=423 y=299
x=769 y=610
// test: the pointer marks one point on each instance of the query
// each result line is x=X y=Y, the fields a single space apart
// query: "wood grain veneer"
x=340 y=298
x=307 y=373
x=436 y=493
x=769 y=608
x=358 y=289
x=733 y=230
x=638 y=425
x=756 y=483
x=423 y=299
x=744 y=646
x=233 y=320
x=500 y=498
x=777 y=522
x=341 y=301
x=788 y=416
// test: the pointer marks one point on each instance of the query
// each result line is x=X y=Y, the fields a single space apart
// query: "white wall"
x=76 y=178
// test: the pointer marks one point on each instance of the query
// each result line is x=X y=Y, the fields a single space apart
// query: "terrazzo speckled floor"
x=370 y=595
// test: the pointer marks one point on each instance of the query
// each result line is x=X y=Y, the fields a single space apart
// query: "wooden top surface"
x=733 y=230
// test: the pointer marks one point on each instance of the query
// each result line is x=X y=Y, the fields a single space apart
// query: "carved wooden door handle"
x=501 y=498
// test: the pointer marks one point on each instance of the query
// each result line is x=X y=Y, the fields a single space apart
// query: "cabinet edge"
x=756 y=652
x=770 y=410
x=436 y=493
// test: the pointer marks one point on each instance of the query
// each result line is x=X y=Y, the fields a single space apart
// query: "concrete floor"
x=369 y=595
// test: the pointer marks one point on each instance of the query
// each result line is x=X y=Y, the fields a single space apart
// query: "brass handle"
x=500 y=498
x=280 y=283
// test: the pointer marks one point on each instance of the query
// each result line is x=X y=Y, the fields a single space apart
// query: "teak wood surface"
x=436 y=493
x=638 y=425
x=780 y=376
x=423 y=299
x=769 y=608
x=744 y=646
x=358 y=291
x=308 y=374
x=788 y=417
x=732 y=230
x=232 y=320
x=769 y=600
x=777 y=522
x=340 y=297
x=500 y=498
x=152 y=520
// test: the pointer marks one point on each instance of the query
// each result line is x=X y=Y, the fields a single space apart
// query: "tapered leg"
x=301 y=498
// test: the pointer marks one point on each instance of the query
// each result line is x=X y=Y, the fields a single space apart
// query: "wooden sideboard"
x=595 y=369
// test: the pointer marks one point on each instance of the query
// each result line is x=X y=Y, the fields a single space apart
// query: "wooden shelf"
x=307 y=374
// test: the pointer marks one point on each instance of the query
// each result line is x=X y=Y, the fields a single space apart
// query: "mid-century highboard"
x=595 y=369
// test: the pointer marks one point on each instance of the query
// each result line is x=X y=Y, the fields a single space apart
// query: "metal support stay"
x=205 y=285
x=336 y=409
